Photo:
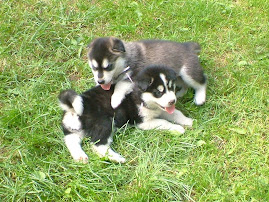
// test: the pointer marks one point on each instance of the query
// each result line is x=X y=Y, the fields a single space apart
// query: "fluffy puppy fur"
x=151 y=105
x=113 y=61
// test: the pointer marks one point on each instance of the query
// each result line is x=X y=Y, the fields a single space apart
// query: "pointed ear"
x=117 y=45
x=89 y=48
x=145 y=83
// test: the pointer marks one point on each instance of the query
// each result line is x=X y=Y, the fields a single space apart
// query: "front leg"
x=160 y=124
x=73 y=143
x=122 y=88
x=106 y=151
x=177 y=117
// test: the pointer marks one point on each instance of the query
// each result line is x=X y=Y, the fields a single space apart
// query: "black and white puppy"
x=113 y=61
x=151 y=105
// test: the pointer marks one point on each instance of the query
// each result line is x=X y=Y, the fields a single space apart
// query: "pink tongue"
x=171 y=109
x=106 y=86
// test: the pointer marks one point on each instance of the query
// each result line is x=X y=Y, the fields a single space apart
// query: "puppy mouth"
x=170 y=109
x=106 y=86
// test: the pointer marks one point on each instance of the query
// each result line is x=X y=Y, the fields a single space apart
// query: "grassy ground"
x=223 y=157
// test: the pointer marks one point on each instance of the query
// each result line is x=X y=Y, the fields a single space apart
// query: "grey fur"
x=182 y=57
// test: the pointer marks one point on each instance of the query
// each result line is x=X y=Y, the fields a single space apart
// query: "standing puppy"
x=113 y=62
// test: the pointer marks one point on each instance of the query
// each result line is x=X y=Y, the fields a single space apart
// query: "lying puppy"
x=151 y=105
x=113 y=61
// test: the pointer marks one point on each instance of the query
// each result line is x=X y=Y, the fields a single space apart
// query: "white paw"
x=199 y=100
x=116 y=158
x=200 y=96
x=188 y=122
x=80 y=157
x=178 y=128
x=115 y=101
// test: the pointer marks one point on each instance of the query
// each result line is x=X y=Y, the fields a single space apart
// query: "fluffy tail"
x=193 y=47
x=71 y=101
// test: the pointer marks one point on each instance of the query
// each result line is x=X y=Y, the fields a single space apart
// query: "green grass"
x=224 y=157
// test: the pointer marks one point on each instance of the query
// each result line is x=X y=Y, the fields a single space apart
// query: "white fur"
x=149 y=113
x=122 y=89
x=159 y=119
x=177 y=117
x=64 y=107
x=120 y=64
x=73 y=143
x=160 y=88
x=95 y=72
x=78 y=105
x=93 y=63
x=71 y=121
x=110 y=76
x=105 y=63
x=162 y=101
x=160 y=124
x=154 y=117
x=200 y=95
x=200 y=89
x=106 y=151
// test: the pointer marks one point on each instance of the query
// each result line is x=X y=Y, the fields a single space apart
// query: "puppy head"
x=106 y=59
x=157 y=86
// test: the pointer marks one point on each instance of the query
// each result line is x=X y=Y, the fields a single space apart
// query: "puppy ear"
x=117 y=45
x=145 y=83
x=89 y=48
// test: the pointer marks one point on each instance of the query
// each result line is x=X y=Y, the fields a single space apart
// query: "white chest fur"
x=149 y=114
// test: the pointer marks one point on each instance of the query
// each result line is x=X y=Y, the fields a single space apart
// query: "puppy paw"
x=81 y=157
x=199 y=100
x=117 y=158
x=188 y=122
x=200 y=96
x=115 y=101
x=178 y=128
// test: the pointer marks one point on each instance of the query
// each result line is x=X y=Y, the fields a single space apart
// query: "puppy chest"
x=148 y=114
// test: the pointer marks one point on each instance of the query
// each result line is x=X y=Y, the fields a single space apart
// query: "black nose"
x=101 y=81
x=172 y=102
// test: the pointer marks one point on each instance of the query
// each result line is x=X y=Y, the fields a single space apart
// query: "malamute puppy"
x=151 y=105
x=113 y=61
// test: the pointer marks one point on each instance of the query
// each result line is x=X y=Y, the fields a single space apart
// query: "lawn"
x=224 y=157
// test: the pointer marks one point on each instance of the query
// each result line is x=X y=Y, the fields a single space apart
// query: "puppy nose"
x=101 y=81
x=172 y=102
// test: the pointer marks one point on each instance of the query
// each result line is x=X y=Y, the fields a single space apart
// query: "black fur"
x=98 y=117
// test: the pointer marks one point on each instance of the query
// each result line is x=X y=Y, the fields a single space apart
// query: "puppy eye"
x=109 y=67
x=94 y=68
x=158 y=93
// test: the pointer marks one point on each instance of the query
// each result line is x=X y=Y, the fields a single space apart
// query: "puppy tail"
x=193 y=47
x=71 y=101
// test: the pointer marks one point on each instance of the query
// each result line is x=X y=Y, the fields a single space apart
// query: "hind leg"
x=197 y=80
x=73 y=143
x=200 y=94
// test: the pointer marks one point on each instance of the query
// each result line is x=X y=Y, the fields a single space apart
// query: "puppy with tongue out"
x=156 y=86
